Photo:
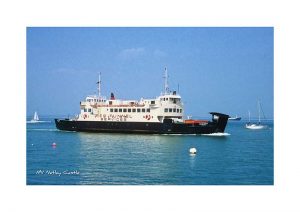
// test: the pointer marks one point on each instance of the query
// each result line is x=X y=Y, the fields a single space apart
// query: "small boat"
x=257 y=126
x=35 y=119
x=236 y=118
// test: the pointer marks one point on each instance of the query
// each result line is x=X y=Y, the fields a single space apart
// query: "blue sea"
x=245 y=157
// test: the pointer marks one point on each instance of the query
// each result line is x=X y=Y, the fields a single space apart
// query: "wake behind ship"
x=161 y=115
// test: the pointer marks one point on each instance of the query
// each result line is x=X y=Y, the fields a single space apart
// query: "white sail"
x=35 y=117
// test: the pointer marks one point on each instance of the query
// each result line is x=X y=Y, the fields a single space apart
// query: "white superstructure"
x=167 y=105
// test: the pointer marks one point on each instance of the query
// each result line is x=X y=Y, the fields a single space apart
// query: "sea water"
x=242 y=157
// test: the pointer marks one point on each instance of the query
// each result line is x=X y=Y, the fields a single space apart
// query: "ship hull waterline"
x=167 y=127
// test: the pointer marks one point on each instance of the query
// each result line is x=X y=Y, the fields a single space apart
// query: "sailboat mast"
x=249 y=115
x=258 y=105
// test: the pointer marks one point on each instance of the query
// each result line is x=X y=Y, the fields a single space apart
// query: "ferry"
x=161 y=115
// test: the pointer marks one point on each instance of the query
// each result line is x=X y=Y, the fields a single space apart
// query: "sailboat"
x=257 y=126
x=35 y=119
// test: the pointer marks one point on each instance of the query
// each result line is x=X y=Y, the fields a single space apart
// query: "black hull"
x=167 y=127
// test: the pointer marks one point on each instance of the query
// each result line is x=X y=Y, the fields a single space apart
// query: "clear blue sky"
x=218 y=69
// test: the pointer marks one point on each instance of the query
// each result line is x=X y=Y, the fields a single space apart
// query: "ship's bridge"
x=171 y=98
x=171 y=106
x=92 y=100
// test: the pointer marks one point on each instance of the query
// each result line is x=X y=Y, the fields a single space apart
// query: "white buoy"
x=193 y=150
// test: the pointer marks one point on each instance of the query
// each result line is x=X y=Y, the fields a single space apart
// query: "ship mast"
x=166 y=86
x=99 y=86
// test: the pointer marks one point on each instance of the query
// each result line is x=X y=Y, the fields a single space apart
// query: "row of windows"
x=170 y=110
x=96 y=100
x=171 y=99
x=138 y=110
x=129 y=110
x=124 y=110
